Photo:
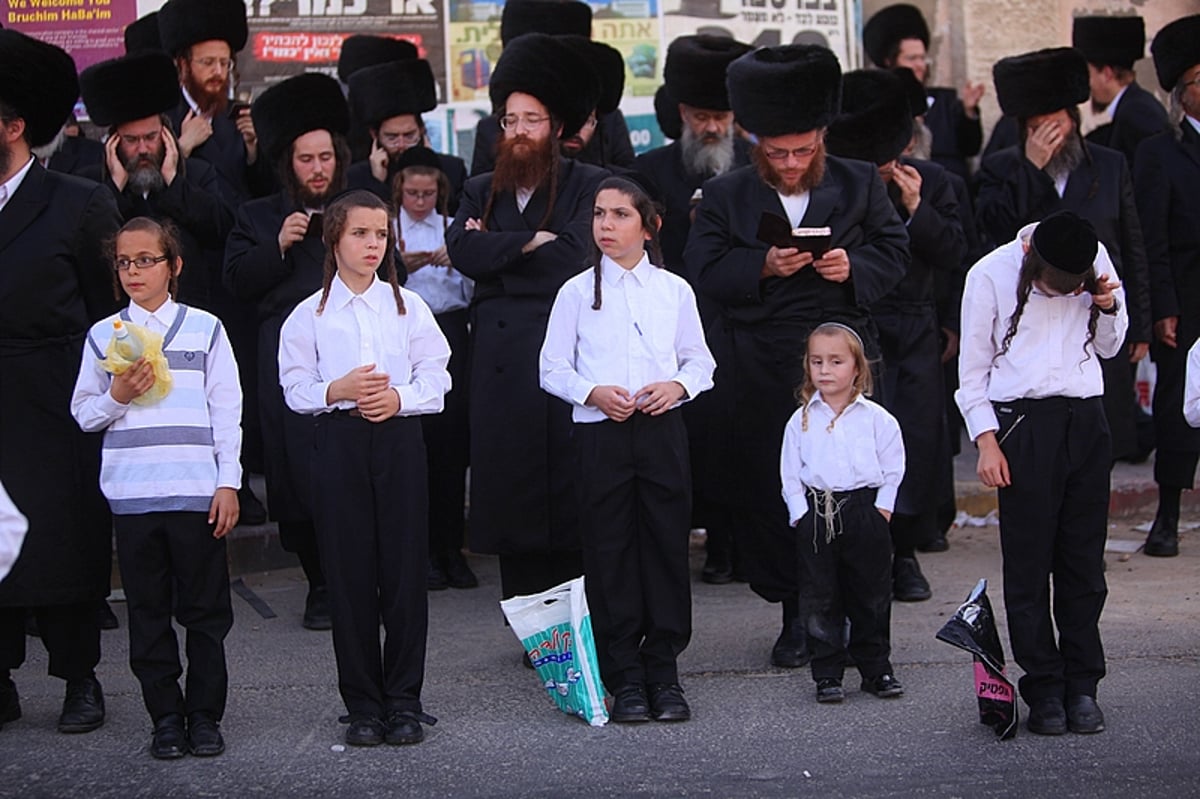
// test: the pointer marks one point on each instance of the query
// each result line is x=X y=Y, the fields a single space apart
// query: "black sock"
x=1168 y=502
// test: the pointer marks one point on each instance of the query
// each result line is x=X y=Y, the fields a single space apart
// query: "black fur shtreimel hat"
x=1041 y=82
x=137 y=86
x=1110 y=41
x=552 y=17
x=389 y=90
x=890 y=26
x=142 y=34
x=1176 y=49
x=551 y=70
x=183 y=23
x=666 y=113
x=1066 y=241
x=38 y=80
x=876 y=122
x=361 y=51
x=695 y=69
x=794 y=88
x=290 y=109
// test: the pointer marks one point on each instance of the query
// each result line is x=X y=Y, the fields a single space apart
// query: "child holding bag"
x=625 y=347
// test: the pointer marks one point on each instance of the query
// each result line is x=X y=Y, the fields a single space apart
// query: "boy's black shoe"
x=10 y=703
x=365 y=731
x=1163 y=541
x=829 y=691
x=667 y=702
x=908 y=583
x=791 y=647
x=458 y=573
x=630 y=705
x=436 y=579
x=108 y=619
x=83 y=706
x=204 y=736
x=316 y=609
x=1084 y=715
x=1047 y=716
x=169 y=741
x=404 y=727
x=885 y=686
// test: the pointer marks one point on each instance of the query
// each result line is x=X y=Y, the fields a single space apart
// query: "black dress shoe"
x=204 y=736
x=717 y=570
x=365 y=731
x=791 y=647
x=83 y=706
x=10 y=703
x=404 y=727
x=458 y=573
x=108 y=619
x=436 y=579
x=1163 y=541
x=630 y=705
x=316 y=609
x=885 y=686
x=1084 y=715
x=1047 y=716
x=937 y=543
x=908 y=583
x=250 y=511
x=169 y=741
x=667 y=702
x=829 y=691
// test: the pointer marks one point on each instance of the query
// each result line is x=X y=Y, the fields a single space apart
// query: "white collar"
x=14 y=183
x=165 y=314
x=613 y=272
x=340 y=295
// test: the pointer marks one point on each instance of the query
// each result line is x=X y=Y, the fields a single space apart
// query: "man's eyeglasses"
x=141 y=262
x=800 y=153
x=208 y=62
x=129 y=140
x=527 y=122
x=411 y=137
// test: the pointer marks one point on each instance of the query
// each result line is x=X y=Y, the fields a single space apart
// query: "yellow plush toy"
x=130 y=342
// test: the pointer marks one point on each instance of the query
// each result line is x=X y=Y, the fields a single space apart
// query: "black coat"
x=359 y=176
x=956 y=137
x=194 y=205
x=758 y=339
x=255 y=272
x=226 y=151
x=609 y=148
x=1139 y=115
x=1166 y=177
x=522 y=464
x=76 y=154
x=54 y=283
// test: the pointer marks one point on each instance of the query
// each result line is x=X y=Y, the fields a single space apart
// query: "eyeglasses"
x=1193 y=82
x=411 y=137
x=417 y=194
x=130 y=140
x=141 y=262
x=527 y=122
x=208 y=62
x=800 y=153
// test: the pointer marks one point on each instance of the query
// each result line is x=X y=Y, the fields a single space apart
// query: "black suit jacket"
x=55 y=281
x=956 y=137
x=76 y=154
x=1139 y=115
x=1166 y=177
x=226 y=152
x=359 y=176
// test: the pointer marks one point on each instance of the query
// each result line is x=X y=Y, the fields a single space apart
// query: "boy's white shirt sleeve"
x=556 y=361
x=1191 y=387
x=696 y=362
x=13 y=526
x=889 y=444
x=1110 y=328
x=428 y=352
x=303 y=389
x=795 y=493
x=91 y=403
x=976 y=351
x=223 y=389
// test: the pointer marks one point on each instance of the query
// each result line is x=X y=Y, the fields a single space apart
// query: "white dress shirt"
x=13 y=526
x=795 y=206
x=9 y=187
x=443 y=288
x=647 y=330
x=862 y=449
x=359 y=329
x=1191 y=387
x=1047 y=357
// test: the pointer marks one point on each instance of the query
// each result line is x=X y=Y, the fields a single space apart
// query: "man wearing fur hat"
x=875 y=125
x=145 y=171
x=1055 y=169
x=1111 y=45
x=389 y=99
x=520 y=233
x=898 y=36
x=603 y=142
x=204 y=37
x=56 y=283
x=771 y=297
x=275 y=258
x=1166 y=175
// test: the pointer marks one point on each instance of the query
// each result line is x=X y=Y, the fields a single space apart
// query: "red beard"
x=809 y=179
x=212 y=96
x=522 y=162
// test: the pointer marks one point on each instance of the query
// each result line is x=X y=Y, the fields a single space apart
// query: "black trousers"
x=847 y=576
x=525 y=573
x=171 y=564
x=372 y=531
x=1053 y=522
x=447 y=444
x=635 y=510
x=70 y=633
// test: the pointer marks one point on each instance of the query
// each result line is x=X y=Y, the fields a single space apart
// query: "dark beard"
x=811 y=178
x=145 y=176
x=211 y=103
x=522 y=162
x=1069 y=156
x=302 y=197
x=706 y=158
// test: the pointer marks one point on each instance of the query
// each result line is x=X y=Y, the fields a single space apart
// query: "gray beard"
x=921 y=146
x=146 y=179
x=1066 y=159
x=707 y=159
